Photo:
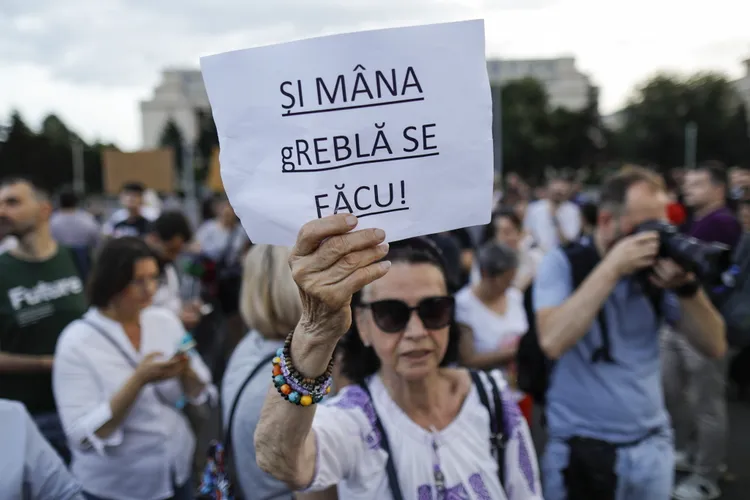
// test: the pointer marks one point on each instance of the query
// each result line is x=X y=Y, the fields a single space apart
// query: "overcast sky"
x=92 y=61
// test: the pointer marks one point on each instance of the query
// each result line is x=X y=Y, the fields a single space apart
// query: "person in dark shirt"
x=701 y=432
x=131 y=221
x=706 y=195
x=41 y=291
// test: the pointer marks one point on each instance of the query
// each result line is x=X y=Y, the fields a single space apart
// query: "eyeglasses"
x=393 y=315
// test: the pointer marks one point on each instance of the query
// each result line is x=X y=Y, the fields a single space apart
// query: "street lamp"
x=76 y=148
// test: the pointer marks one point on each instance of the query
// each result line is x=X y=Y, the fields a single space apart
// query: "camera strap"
x=583 y=258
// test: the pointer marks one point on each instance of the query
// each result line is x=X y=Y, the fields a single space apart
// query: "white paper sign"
x=392 y=125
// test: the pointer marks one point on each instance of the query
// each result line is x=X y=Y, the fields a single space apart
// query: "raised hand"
x=153 y=368
x=330 y=263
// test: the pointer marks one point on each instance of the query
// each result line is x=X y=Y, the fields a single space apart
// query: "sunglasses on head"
x=393 y=315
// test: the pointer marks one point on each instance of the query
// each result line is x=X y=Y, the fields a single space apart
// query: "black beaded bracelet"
x=309 y=384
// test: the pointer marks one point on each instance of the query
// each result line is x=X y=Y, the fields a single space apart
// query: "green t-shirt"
x=37 y=301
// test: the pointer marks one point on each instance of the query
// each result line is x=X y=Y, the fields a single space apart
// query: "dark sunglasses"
x=393 y=315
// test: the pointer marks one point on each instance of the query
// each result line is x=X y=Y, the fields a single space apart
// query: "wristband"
x=688 y=290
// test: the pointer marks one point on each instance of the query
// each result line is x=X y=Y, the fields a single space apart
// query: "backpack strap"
x=390 y=466
x=498 y=436
x=583 y=258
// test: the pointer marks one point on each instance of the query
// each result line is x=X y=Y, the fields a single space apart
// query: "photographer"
x=608 y=426
x=700 y=429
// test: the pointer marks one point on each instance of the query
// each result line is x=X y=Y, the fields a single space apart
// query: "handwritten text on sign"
x=377 y=126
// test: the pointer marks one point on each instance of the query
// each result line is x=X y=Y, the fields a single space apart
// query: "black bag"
x=498 y=438
x=591 y=473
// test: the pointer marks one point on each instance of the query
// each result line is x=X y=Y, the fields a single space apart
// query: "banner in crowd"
x=393 y=125
x=154 y=168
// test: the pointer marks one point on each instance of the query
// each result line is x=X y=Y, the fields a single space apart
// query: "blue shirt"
x=613 y=402
x=31 y=468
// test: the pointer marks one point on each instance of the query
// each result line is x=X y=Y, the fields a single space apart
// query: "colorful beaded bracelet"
x=292 y=386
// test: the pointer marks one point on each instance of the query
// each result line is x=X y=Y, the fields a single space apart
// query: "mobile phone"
x=186 y=345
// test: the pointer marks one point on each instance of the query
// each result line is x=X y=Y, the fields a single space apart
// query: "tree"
x=527 y=134
x=739 y=151
x=55 y=130
x=47 y=156
x=656 y=117
x=208 y=139
x=171 y=137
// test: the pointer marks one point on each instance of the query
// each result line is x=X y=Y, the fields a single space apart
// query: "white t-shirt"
x=350 y=453
x=539 y=223
x=491 y=330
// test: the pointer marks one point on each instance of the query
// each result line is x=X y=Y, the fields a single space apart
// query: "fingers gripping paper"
x=394 y=126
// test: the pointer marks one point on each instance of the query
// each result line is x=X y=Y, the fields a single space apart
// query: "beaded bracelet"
x=292 y=386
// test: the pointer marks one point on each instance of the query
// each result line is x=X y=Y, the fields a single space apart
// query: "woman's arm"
x=470 y=358
x=292 y=456
x=329 y=263
x=88 y=417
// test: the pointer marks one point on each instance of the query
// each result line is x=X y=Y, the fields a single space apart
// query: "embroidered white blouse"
x=153 y=448
x=350 y=451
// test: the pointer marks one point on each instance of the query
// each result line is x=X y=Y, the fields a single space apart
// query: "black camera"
x=708 y=261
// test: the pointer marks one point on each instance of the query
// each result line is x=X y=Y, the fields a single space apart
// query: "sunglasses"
x=393 y=315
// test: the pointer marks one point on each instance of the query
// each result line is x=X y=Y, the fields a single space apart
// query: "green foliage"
x=536 y=137
x=171 y=137
x=656 y=117
x=47 y=156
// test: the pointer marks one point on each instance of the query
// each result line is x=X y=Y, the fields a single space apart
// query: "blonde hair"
x=269 y=298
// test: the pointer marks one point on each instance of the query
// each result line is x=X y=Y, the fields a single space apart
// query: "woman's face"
x=141 y=289
x=507 y=233
x=415 y=351
x=500 y=283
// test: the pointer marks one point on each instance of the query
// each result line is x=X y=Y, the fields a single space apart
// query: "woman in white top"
x=409 y=427
x=119 y=378
x=493 y=310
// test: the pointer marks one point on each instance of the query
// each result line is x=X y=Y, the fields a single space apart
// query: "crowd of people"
x=346 y=367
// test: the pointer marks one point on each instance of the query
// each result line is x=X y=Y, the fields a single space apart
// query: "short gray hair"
x=496 y=259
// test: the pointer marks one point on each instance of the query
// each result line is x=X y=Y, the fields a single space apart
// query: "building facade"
x=180 y=97
x=566 y=86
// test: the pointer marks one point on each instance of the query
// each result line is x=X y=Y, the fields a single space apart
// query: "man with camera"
x=700 y=428
x=609 y=432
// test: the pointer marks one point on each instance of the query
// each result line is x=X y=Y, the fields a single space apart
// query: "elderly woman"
x=409 y=426
x=120 y=378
